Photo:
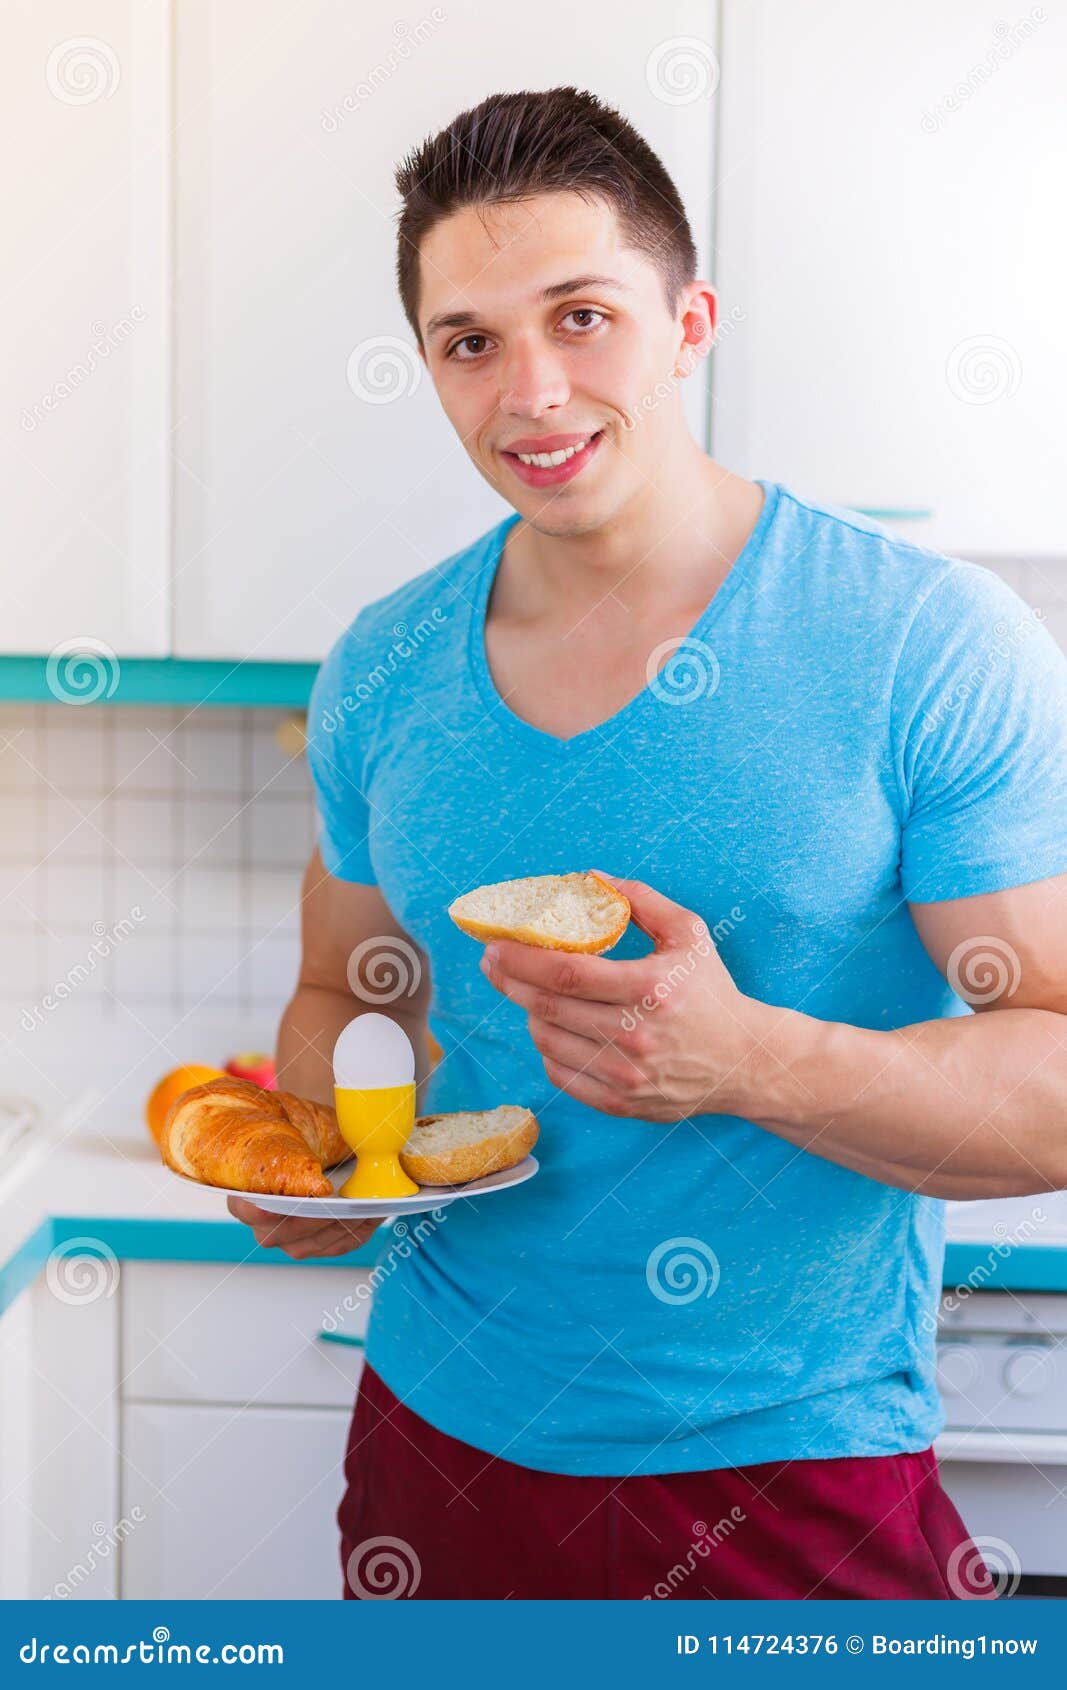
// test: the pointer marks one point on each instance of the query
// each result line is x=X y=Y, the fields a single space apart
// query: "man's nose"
x=533 y=379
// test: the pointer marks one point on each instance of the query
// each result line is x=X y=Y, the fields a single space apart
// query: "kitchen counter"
x=92 y=1171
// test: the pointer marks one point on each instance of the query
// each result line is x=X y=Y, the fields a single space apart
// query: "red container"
x=256 y=1066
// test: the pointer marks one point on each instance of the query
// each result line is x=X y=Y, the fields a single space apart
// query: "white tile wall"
x=195 y=818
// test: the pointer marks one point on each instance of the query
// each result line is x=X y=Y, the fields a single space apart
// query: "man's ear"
x=699 y=320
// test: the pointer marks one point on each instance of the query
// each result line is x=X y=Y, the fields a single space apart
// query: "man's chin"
x=557 y=526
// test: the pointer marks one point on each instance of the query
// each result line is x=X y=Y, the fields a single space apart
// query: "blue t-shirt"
x=853 y=722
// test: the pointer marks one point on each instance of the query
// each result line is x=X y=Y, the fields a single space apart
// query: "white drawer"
x=232 y=1502
x=209 y=1332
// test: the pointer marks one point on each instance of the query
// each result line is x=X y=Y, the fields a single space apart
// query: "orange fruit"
x=171 y=1086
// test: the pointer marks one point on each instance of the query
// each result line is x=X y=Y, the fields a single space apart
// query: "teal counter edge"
x=1002 y=1267
x=158 y=680
x=131 y=1239
x=977 y=1267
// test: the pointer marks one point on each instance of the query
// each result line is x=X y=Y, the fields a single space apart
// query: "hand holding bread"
x=229 y=1132
x=556 y=912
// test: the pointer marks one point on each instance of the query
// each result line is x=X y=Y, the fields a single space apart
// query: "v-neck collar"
x=537 y=738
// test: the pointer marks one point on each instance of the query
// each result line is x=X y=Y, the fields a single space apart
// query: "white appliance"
x=1002 y=1371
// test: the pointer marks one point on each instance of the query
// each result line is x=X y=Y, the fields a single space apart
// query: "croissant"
x=233 y=1133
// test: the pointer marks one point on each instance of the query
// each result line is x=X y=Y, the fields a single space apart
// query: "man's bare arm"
x=338 y=919
x=965 y=1107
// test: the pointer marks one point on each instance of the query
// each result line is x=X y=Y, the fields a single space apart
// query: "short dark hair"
x=512 y=146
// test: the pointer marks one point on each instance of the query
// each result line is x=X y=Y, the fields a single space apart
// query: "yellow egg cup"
x=376 y=1123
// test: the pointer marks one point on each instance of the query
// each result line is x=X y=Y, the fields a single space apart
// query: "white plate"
x=365 y=1208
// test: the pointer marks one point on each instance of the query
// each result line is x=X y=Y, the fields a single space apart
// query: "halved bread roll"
x=453 y=1149
x=559 y=912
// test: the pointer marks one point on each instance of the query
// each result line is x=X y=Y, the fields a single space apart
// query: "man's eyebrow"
x=557 y=290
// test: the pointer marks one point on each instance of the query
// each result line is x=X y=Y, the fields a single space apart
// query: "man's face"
x=539 y=364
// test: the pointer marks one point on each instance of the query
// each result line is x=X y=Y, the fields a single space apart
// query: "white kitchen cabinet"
x=176 y=1429
x=71 y=1481
x=296 y=500
x=84 y=442
x=16 y=1458
x=204 y=1333
x=234 y=1420
x=238 y=1502
x=886 y=227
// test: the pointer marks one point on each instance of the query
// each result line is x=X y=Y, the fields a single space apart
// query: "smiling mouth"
x=545 y=469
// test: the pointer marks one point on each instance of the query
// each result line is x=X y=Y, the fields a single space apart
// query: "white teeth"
x=549 y=460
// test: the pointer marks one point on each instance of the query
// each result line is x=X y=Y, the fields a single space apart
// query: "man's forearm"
x=308 y=1031
x=967 y=1107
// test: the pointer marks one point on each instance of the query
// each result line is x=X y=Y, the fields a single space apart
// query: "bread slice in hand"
x=453 y=1149
x=559 y=912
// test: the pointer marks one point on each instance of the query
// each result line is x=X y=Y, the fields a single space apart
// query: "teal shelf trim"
x=22 y=1268
x=1028 y=1267
x=164 y=680
x=341 y=1338
x=894 y=513
x=132 y=1239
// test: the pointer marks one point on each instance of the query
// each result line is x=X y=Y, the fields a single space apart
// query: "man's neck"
x=676 y=539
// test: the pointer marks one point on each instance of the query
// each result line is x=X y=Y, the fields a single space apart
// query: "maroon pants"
x=426 y=1516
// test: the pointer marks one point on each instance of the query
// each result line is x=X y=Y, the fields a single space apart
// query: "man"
x=694 y=1356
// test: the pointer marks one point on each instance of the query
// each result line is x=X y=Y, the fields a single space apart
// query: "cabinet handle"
x=342 y=1338
x=894 y=513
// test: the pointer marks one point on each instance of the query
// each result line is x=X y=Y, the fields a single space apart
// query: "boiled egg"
x=372 y=1052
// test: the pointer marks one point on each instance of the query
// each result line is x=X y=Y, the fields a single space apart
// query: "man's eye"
x=586 y=311
x=454 y=351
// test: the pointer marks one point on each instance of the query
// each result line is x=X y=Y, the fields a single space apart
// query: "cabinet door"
x=16 y=1453
x=235 y=1502
x=78 y=1531
x=886 y=226
x=84 y=443
x=300 y=496
x=210 y=1332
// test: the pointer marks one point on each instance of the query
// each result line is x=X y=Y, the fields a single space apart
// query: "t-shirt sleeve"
x=336 y=758
x=979 y=726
